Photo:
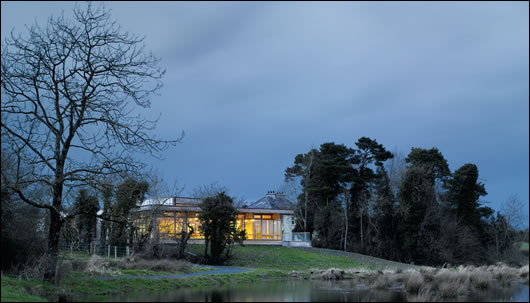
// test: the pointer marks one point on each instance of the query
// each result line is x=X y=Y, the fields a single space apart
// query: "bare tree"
x=208 y=190
x=396 y=167
x=513 y=211
x=144 y=224
x=68 y=96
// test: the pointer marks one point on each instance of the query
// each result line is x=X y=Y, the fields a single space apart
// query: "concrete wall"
x=296 y=244
x=287 y=227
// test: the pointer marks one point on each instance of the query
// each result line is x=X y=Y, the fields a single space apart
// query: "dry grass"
x=360 y=271
x=452 y=289
x=413 y=281
x=428 y=273
x=446 y=275
x=505 y=275
x=425 y=294
x=99 y=266
x=523 y=272
x=480 y=279
x=381 y=282
x=165 y=265
x=332 y=274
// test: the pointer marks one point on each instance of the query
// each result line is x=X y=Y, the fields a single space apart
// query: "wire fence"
x=109 y=251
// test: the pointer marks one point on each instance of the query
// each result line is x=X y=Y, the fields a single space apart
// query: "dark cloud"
x=253 y=84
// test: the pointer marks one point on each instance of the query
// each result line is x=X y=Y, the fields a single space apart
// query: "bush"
x=33 y=269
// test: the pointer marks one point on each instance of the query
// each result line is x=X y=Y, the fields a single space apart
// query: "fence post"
x=127 y=250
x=108 y=251
x=115 y=252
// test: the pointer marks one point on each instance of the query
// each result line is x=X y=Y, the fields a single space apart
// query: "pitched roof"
x=273 y=200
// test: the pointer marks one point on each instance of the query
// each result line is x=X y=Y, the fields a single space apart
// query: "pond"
x=317 y=291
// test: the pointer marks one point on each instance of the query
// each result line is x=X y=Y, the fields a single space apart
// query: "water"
x=316 y=291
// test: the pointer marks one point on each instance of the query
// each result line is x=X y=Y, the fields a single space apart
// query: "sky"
x=253 y=84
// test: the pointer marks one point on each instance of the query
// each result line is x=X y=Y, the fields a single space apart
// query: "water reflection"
x=316 y=291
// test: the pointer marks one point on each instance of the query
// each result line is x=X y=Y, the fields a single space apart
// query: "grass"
x=282 y=258
x=14 y=290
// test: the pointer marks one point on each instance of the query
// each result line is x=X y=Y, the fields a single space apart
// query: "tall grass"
x=110 y=267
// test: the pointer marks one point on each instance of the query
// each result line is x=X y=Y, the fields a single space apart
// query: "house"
x=268 y=221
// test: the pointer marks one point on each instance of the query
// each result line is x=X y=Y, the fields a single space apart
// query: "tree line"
x=415 y=210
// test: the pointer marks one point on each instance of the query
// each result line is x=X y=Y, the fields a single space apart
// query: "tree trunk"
x=56 y=223
x=206 y=242
x=346 y=218
x=362 y=238
x=53 y=246
x=305 y=210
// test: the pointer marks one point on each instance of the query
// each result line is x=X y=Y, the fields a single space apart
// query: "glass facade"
x=257 y=226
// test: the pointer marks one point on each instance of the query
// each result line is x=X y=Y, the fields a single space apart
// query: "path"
x=218 y=270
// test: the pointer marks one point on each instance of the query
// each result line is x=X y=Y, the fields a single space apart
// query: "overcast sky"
x=253 y=84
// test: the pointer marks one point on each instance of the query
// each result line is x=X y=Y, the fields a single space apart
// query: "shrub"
x=33 y=270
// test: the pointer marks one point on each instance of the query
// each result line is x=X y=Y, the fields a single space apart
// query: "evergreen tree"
x=386 y=218
x=369 y=153
x=218 y=225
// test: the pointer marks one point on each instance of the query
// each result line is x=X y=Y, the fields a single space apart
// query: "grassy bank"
x=14 y=290
x=282 y=258
x=75 y=288
x=267 y=262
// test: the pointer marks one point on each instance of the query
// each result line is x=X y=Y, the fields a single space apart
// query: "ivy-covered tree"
x=420 y=226
x=86 y=206
x=107 y=194
x=129 y=194
x=463 y=194
x=218 y=225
